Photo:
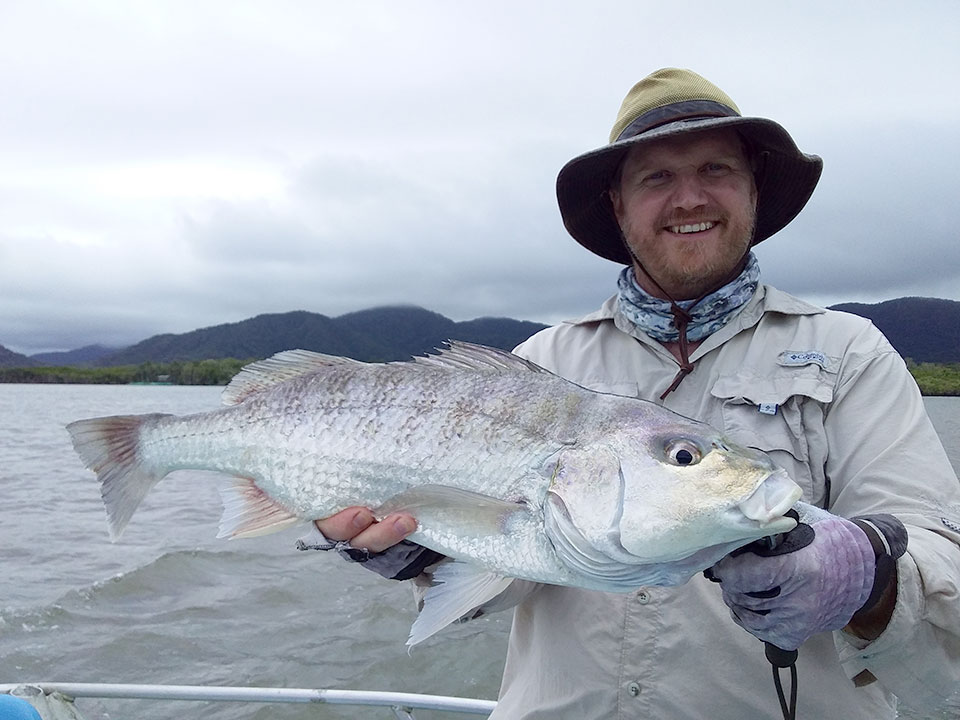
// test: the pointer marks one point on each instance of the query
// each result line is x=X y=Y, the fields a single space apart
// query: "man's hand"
x=784 y=599
x=380 y=546
x=358 y=526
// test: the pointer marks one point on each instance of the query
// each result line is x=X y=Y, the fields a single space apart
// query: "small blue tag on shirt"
x=768 y=408
x=950 y=524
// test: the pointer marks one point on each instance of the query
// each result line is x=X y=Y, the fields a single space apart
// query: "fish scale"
x=330 y=439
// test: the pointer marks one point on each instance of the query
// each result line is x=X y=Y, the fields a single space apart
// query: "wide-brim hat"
x=668 y=103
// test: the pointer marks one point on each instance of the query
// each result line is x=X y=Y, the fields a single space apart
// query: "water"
x=171 y=604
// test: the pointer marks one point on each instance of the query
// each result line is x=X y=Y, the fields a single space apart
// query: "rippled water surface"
x=171 y=604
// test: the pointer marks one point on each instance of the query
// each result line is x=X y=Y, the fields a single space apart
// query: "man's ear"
x=617 y=202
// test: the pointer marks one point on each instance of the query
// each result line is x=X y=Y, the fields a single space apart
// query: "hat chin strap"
x=682 y=317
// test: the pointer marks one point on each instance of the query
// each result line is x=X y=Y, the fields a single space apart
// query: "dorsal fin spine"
x=287 y=365
x=290 y=364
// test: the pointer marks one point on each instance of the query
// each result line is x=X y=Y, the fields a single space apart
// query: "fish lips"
x=766 y=505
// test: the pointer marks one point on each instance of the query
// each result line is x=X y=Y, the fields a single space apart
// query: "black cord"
x=789 y=711
x=779 y=659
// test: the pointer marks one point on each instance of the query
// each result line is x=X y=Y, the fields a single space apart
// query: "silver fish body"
x=505 y=466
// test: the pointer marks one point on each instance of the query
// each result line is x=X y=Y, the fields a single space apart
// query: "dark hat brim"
x=785 y=181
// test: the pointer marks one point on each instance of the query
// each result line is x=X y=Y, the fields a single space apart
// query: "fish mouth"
x=770 y=500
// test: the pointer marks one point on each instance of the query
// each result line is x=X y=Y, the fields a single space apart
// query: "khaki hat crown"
x=668 y=86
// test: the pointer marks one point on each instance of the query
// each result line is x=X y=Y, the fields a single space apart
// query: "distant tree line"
x=933 y=378
x=189 y=372
x=936 y=378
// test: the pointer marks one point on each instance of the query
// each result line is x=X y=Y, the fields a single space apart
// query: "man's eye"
x=659 y=177
x=716 y=168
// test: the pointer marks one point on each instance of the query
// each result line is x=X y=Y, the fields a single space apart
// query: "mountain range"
x=922 y=329
x=374 y=335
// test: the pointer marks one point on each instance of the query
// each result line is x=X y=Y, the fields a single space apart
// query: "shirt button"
x=643 y=597
x=634 y=688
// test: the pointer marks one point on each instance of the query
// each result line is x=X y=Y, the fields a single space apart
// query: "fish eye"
x=683 y=452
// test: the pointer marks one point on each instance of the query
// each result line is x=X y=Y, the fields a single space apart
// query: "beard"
x=688 y=266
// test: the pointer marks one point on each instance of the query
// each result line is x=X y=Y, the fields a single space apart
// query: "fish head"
x=690 y=495
x=656 y=504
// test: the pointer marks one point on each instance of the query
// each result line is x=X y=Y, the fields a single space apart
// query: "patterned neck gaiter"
x=655 y=317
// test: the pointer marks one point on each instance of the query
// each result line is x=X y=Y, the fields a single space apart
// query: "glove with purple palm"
x=784 y=598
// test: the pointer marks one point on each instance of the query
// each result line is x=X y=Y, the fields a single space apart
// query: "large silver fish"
x=508 y=468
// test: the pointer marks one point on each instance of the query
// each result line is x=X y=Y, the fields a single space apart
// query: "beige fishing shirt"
x=830 y=400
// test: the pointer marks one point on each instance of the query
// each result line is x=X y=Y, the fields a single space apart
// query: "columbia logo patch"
x=799 y=358
x=951 y=524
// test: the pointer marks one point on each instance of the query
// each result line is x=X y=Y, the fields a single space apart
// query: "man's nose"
x=689 y=191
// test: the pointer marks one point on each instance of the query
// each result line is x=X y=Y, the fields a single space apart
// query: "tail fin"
x=109 y=446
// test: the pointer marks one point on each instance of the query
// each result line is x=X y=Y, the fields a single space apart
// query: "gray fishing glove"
x=817 y=585
x=402 y=561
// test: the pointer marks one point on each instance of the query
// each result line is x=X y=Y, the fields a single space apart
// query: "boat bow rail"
x=402 y=704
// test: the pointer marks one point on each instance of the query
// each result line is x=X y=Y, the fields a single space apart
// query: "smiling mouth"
x=691 y=228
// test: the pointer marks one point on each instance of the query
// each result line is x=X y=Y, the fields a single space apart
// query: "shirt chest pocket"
x=783 y=416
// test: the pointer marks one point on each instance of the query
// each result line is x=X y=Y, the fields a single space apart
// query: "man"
x=871 y=594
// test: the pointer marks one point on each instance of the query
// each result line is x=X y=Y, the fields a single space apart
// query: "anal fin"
x=248 y=511
x=459 y=589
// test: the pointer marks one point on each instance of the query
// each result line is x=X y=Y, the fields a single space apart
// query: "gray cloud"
x=175 y=165
x=879 y=225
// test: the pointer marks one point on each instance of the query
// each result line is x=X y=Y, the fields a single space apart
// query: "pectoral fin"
x=472 y=514
x=459 y=590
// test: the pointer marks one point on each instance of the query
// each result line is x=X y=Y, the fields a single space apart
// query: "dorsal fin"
x=289 y=364
x=459 y=355
x=259 y=376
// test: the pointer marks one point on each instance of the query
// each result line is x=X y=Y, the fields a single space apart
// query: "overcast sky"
x=166 y=166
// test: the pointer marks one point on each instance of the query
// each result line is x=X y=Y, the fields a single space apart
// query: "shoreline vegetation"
x=936 y=378
x=933 y=378
x=191 y=372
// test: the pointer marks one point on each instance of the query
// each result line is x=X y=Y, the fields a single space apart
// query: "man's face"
x=687 y=207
